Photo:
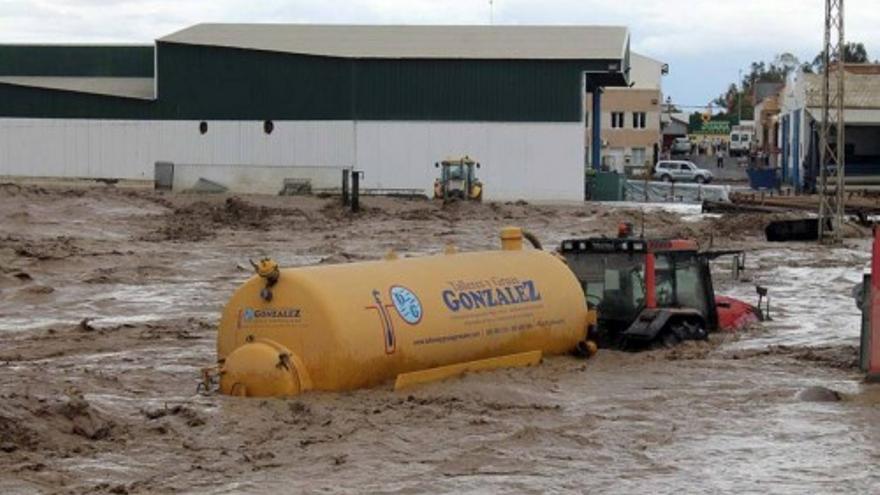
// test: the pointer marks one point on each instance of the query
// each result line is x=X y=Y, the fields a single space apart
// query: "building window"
x=638 y=120
x=616 y=120
x=203 y=127
x=638 y=156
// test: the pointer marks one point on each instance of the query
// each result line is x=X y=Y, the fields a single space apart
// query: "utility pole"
x=832 y=153
x=739 y=98
x=491 y=12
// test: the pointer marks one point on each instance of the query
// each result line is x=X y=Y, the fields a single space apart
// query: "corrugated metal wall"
x=29 y=102
x=521 y=119
x=542 y=161
x=535 y=161
x=129 y=149
x=232 y=84
x=468 y=90
x=72 y=60
x=211 y=83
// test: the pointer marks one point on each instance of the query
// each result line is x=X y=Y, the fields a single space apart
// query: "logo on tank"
x=467 y=295
x=407 y=304
x=270 y=316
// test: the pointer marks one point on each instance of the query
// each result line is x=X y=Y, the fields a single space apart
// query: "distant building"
x=766 y=101
x=800 y=119
x=631 y=116
x=673 y=125
x=711 y=136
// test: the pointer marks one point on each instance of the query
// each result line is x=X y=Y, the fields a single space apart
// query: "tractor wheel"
x=669 y=339
x=681 y=331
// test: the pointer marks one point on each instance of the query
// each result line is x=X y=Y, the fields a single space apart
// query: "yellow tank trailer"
x=341 y=327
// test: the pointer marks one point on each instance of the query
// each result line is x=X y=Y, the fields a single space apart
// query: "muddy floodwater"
x=109 y=300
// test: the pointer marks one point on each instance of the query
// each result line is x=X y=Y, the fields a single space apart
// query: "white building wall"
x=793 y=98
x=519 y=160
x=645 y=72
x=129 y=149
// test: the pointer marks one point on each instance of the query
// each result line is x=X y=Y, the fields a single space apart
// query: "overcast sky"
x=705 y=42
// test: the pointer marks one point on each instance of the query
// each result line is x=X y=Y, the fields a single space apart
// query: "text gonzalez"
x=522 y=292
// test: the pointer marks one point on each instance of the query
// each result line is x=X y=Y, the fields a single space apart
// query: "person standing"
x=720 y=155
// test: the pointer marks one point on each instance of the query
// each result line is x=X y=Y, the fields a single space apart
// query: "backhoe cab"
x=458 y=180
x=651 y=293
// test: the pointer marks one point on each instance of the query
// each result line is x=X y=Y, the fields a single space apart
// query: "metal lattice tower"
x=831 y=135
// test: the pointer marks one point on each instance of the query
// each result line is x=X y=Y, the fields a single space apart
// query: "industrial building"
x=800 y=119
x=249 y=106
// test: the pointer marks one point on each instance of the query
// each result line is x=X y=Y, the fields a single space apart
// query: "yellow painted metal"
x=476 y=191
x=522 y=359
x=360 y=324
x=266 y=268
x=263 y=368
x=511 y=239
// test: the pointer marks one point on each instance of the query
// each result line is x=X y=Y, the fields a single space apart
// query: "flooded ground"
x=108 y=305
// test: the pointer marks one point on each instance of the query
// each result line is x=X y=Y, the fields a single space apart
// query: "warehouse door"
x=163 y=176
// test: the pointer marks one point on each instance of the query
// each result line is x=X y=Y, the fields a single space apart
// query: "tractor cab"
x=648 y=292
x=458 y=180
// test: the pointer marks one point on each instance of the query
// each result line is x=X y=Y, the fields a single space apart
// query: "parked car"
x=681 y=171
x=681 y=146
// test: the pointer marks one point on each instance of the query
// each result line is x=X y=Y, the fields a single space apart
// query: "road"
x=730 y=173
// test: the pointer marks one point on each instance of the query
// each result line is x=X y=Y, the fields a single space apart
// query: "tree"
x=853 y=53
x=735 y=101
x=695 y=121
x=738 y=98
x=787 y=61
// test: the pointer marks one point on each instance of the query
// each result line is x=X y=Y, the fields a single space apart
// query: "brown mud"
x=109 y=297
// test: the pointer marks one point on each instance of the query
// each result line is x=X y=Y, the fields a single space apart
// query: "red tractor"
x=650 y=293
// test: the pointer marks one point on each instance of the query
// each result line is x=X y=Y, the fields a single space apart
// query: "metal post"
x=356 y=176
x=345 y=198
x=650 y=283
x=874 y=308
x=739 y=99
x=650 y=170
x=596 y=141
x=832 y=152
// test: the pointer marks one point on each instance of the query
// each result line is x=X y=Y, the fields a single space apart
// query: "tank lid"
x=511 y=238
x=511 y=233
